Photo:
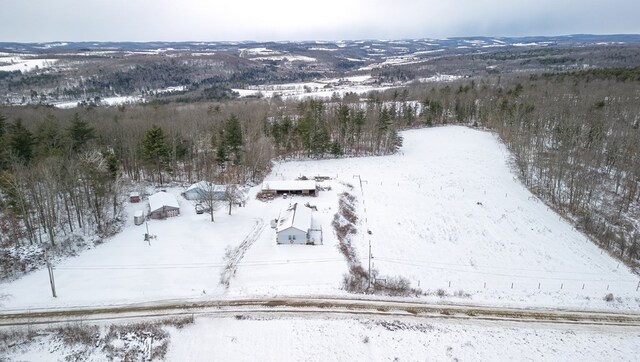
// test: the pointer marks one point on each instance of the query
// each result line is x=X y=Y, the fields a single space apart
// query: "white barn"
x=162 y=205
x=293 y=225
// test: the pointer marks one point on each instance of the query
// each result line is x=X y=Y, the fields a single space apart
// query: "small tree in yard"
x=209 y=200
x=234 y=195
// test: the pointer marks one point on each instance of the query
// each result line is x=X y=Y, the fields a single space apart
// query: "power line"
x=195 y=265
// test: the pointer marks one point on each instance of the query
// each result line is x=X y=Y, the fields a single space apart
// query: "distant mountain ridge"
x=566 y=40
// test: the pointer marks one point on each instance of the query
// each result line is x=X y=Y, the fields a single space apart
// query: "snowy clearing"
x=10 y=64
x=446 y=212
x=355 y=339
x=107 y=101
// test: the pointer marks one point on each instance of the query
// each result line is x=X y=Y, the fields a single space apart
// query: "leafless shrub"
x=395 y=286
x=461 y=294
x=441 y=293
x=365 y=339
x=78 y=334
x=131 y=342
x=14 y=337
x=179 y=322
x=608 y=297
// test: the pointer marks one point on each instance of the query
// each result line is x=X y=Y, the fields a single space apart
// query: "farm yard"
x=446 y=213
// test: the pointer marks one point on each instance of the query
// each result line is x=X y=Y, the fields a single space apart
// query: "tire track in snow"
x=235 y=256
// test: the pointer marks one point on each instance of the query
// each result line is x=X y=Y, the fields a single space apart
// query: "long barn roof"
x=289 y=185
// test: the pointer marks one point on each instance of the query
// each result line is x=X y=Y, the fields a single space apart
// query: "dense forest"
x=65 y=173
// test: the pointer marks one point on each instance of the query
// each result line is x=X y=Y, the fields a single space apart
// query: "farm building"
x=293 y=225
x=200 y=190
x=163 y=205
x=298 y=187
x=134 y=197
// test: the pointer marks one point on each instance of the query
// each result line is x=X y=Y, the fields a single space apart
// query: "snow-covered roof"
x=296 y=216
x=161 y=199
x=134 y=194
x=207 y=186
x=289 y=185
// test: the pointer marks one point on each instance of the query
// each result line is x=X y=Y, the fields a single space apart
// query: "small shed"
x=138 y=217
x=293 y=225
x=163 y=205
x=202 y=189
x=296 y=187
x=134 y=197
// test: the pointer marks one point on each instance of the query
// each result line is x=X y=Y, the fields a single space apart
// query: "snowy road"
x=315 y=307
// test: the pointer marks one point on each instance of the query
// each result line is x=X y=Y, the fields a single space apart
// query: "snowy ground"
x=337 y=338
x=297 y=339
x=446 y=213
x=23 y=63
x=321 y=88
x=107 y=101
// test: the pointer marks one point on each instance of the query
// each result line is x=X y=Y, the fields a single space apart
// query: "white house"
x=200 y=190
x=293 y=225
x=302 y=187
x=162 y=205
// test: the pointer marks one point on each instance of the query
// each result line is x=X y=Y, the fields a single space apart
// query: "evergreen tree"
x=3 y=147
x=233 y=138
x=221 y=152
x=21 y=142
x=49 y=140
x=155 y=150
x=384 y=121
x=80 y=133
x=344 y=121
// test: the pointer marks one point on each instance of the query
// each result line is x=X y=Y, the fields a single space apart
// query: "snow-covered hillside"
x=446 y=212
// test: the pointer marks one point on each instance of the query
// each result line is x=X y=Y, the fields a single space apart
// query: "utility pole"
x=369 y=263
x=51 y=279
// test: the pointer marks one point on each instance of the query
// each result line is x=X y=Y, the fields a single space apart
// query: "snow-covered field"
x=321 y=88
x=446 y=212
x=278 y=337
x=351 y=339
x=107 y=101
x=24 y=63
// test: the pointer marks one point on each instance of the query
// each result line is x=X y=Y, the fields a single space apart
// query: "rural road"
x=315 y=306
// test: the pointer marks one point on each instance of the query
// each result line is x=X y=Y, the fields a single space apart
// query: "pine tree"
x=3 y=147
x=384 y=121
x=221 y=153
x=233 y=138
x=21 y=142
x=80 y=133
x=155 y=150
x=49 y=139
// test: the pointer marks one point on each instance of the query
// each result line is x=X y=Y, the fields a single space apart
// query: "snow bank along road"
x=316 y=306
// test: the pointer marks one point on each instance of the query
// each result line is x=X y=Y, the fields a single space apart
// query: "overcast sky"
x=203 y=20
